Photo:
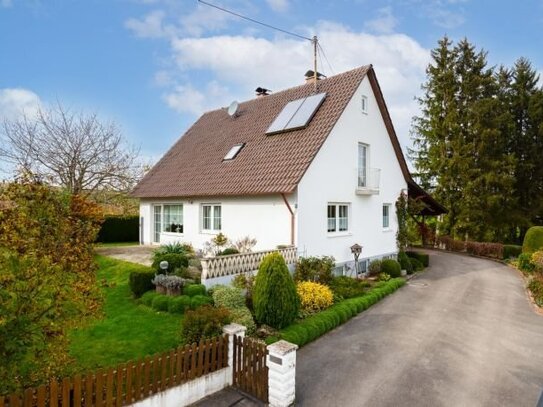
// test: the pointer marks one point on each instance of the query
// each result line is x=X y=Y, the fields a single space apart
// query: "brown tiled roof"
x=194 y=166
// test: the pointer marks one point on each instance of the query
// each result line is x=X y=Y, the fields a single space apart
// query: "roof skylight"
x=296 y=114
x=233 y=152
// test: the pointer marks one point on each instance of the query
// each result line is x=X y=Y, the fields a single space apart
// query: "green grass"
x=127 y=331
x=117 y=244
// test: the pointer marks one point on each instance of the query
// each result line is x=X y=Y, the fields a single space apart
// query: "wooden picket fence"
x=128 y=382
x=250 y=372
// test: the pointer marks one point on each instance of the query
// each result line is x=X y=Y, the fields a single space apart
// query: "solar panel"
x=296 y=114
x=306 y=112
x=284 y=117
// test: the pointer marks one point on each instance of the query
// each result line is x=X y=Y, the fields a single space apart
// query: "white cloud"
x=384 y=23
x=278 y=5
x=204 y=19
x=14 y=102
x=242 y=63
x=151 y=26
x=446 y=18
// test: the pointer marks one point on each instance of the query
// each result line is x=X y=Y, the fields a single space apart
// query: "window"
x=233 y=152
x=167 y=218
x=338 y=218
x=211 y=218
x=364 y=104
x=386 y=216
x=362 y=165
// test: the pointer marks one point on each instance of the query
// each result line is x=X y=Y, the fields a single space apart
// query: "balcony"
x=368 y=181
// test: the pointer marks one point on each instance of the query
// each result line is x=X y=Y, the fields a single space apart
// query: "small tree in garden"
x=275 y=300
x=216 y=245
x=401 y=215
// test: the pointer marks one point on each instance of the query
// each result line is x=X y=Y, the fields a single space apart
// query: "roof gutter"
x=292 y=218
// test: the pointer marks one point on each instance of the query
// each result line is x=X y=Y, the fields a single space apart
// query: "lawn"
x=127 y=331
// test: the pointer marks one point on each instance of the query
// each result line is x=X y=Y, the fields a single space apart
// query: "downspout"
x=292 y=219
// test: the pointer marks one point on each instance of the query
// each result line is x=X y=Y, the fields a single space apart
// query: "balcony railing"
x=368 y=181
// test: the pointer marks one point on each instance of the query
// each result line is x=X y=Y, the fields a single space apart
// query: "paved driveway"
x=463 y=333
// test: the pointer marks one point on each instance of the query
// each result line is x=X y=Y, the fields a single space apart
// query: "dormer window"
x=233 y=152
x=364 y=104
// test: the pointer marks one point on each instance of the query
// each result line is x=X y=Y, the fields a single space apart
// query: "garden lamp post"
x=163 y=266
x=356 y=250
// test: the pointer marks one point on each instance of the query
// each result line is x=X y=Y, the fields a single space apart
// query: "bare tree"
x=72 y=150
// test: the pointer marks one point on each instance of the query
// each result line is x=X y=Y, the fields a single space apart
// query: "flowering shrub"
x=537 y=260
x=314 y=297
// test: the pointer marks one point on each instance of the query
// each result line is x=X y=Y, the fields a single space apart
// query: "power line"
x=255 y=21
x=326 y=58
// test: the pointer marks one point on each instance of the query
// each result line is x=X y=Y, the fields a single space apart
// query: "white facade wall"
x=265 y=218
x=332 y=178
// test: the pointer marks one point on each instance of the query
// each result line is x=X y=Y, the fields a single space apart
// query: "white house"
x=318 y=167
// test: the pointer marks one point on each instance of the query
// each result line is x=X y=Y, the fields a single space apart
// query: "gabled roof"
x=194 y=166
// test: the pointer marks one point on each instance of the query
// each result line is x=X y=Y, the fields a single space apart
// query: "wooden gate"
x=250 y=370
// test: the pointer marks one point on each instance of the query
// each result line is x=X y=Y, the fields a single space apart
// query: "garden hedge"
x=139 y=280
x=119 y=229
x=194 y=289
x=309 y=329
x=533 y=240
x=422 y=257
x=511 y=250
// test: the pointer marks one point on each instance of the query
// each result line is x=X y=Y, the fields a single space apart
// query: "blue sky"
x=153 y=66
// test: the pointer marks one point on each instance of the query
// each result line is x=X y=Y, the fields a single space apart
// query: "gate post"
x=281 y=362
x=231 y=330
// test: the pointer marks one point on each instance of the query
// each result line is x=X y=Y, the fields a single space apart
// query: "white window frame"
x=388 y=206
x=337 y=219
x=363 y=169
x=364 y=104
x=233 y=152
x=161 y=214
x=215 y=222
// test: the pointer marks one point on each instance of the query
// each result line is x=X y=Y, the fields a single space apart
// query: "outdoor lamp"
x=163 y=265
x=356 y=250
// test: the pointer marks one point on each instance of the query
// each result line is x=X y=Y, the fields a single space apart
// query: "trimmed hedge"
x=403 y=259
x=147 y=298
x=309 y=329
x=416 y=264
x=178 y=305
x=422 y=257
x=533 y=240
x=511 y=250
x=391 y=267
x=198 y=300
x=160 y=302
x=194 y=289
x=119 y=229
x=139 y=280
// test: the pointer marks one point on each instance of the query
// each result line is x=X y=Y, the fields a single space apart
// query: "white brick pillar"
x=281 y=362
x=231 y=330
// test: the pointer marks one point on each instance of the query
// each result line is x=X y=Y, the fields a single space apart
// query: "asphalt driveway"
x=463 y=333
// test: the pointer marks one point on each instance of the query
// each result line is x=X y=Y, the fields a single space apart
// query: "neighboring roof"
x=431 y=206
x=194 y=166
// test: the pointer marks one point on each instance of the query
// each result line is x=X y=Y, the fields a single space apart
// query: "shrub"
x=416 y=264
x=391 y=267
x=483 y=249
x=536 y=288
x=383 y=277
x=228 y=251
x=178 y=305
x=245 y=244
x=314 y=297
x=375 y=267
x=405 y=264
x=160 y=302
x=140 y=281
x=204 y=322
x=317 y=269
x=244 y=317
x=347 y=287
x=147 y=298
x=199 y=300
x=194 y=289
x=537 y=260
x=275 y=299
x=119 y=229
x=175 y=261
x=174 y=248
x=310 y=328
x=228 y=297
x=511 y=250
x=525 y=262
x=533 y=240
x=422 y=257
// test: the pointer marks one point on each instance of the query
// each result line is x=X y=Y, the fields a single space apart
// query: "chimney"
x=310 y=76
x=260 y=92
